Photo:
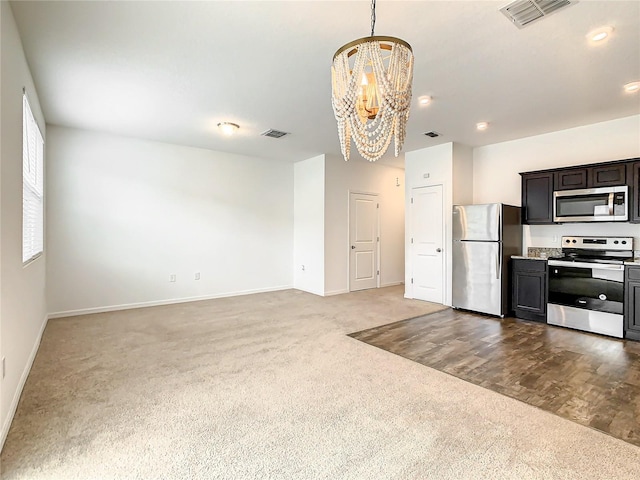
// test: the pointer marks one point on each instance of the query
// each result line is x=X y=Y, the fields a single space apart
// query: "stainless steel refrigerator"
x=484 y=238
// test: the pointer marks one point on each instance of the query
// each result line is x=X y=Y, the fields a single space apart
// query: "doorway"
x=427 y=241
x=363 y=241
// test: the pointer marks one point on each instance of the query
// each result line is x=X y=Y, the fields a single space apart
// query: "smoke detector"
x=524 y=12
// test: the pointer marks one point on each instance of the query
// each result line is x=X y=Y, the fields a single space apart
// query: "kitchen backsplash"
x=543 y=252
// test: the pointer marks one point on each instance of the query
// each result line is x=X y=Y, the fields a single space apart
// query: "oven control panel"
x=598 y=243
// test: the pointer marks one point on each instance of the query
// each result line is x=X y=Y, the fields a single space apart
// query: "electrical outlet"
x=4 y=370
x=172 y=277
x=197 y=275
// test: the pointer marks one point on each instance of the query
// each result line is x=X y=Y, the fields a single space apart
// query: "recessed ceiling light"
x=599 y=34
x=632 y=87
x=482 y=125
x=228 y=128
x=424 y=100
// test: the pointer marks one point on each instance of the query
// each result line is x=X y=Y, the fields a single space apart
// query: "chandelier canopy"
x=371 y=79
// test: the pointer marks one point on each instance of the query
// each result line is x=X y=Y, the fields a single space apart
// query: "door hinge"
x=411 y=199
x=377 y=205
x=377 y=239
x=412 y=240
x=378 y=272
x=412 y=281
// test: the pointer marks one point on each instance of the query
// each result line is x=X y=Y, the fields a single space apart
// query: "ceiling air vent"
x=274 y=133
x=432 y=134
x=523 y=12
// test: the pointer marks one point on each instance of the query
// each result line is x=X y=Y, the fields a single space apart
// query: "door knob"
x=438 y=250
x=353 y=247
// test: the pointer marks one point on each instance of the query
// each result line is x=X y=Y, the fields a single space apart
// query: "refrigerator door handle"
x=498 y=265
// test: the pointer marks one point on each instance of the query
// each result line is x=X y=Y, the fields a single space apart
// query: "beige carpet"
x=269 y=386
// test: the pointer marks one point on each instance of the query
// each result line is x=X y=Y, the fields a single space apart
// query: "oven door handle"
x=611 y=204
x=593 y=266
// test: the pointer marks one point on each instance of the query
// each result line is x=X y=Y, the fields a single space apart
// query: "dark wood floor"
x=589 y=379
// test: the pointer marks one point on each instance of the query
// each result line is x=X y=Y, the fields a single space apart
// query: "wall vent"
x=524 y=12
x=274 y=133
x=432 y=134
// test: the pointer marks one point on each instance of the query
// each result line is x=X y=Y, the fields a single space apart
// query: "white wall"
x=462 y=174
x=423 y=168
x=125 y=214
x=449 y=165
x=497 y=167
x=22 y=288
x=360 y=176
x=308 y=220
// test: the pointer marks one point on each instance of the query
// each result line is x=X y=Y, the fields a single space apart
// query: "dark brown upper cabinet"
x=571 y=179
x=607 y=176
x=537 y=187
x=633 y=180
x=537 y=193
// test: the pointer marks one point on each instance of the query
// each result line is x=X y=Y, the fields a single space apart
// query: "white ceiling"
x=170 y=71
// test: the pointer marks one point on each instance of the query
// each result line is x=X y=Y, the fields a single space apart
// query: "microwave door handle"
x=611 y=204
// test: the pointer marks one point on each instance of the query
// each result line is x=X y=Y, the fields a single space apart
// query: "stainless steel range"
x=586 y=284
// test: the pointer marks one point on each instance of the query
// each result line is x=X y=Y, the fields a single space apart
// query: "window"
x=32 y=185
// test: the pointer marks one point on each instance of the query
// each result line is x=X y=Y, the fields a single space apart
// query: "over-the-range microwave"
x=604 y=204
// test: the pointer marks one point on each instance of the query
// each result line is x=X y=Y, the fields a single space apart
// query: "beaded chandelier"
x=371 y=80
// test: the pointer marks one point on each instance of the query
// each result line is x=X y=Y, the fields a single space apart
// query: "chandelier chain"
x=373 y=16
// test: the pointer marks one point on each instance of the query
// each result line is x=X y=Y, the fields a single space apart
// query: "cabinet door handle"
x=353 y=247
x=438 y=250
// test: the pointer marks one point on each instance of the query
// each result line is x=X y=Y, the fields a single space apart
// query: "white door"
x=363 y=241
x=427 y=244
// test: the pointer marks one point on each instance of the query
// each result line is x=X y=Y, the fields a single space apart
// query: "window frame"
x=32 y=185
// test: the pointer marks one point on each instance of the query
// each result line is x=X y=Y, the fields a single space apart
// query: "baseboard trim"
x=335 y=292
x=23 y=379
x=129 y=306
x=342 y=291
x=320 y=294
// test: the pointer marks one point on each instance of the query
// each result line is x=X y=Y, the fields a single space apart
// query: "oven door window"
x=583 y=205
x=587 y=288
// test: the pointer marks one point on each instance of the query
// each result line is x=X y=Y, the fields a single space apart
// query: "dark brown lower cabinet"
x=632 y=303
x=529 y=289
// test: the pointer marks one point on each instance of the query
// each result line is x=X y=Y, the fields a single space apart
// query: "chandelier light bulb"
x=424 y=100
